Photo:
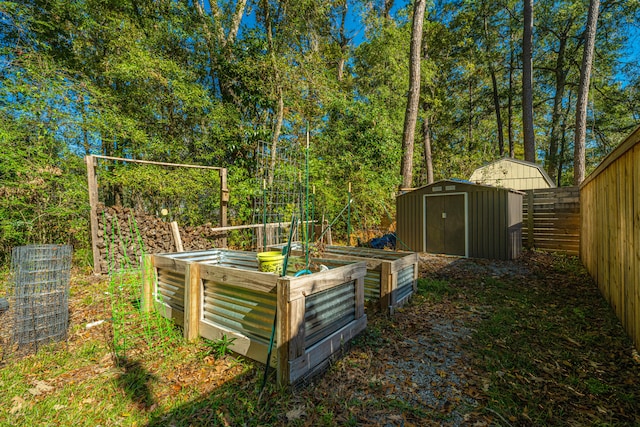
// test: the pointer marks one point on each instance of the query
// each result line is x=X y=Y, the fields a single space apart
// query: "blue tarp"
x=386 y=241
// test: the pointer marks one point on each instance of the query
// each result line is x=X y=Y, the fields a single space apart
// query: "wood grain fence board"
x=611 y=231
x=551 y=219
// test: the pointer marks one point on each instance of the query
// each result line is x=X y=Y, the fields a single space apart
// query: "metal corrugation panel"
x=364 y=252
x=405 y=282
x=243 y=260
x=170 y=289
x=372 y=285
x=328 y=311
x=241 y=310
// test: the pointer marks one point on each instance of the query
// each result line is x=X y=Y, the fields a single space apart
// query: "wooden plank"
x=386 y=282
x=175 y=233
x=321 y=352
x=258 y=281
x=372 y=264
x=148 y=282
x=283 y=331
x=296 y=310
x=359 y=296
x=628 y=268
x=192 y=302
x=403 y=262
x=224 y=202
x=148 y=162
x=170 y=313
x=318 y=282
x=251 y=348
x=364 y=252
x=92 y=182
x=574 y=223
x=630 y=142
x=636 y=242
x=169 y=263
x=247 y=226
x=555 y=215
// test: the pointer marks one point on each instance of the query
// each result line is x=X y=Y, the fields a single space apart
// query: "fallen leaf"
x=18 y=403
x=295 y=413
x=40 y=388
x=58 y=407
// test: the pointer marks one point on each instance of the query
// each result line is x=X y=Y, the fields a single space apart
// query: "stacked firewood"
x=125 y=234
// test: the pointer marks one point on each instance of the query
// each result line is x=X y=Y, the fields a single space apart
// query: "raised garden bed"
x=391 y=276
x=218 y=293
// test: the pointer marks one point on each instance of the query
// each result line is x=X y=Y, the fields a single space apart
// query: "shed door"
x=446 y=224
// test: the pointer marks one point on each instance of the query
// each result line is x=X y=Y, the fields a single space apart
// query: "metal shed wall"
x=494 y=215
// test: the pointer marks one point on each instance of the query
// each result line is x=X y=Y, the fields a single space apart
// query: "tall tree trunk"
x=217 y=42
x=510 y=98
x=561 y=78
x=426 y=141
x=470 y=143
x=386 y=12
x=496 y=105
x=277 y=128
x=343 y=41
x=563 y=141
x=527 y=84
x=413 y=97
x=277 y=125
x=583 y=93
x=496 y=95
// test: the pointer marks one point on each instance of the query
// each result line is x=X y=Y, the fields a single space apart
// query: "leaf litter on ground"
x=483 y=342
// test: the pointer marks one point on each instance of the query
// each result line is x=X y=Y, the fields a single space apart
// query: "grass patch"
x=544 y=344
x=541 y=350
x=434 y=289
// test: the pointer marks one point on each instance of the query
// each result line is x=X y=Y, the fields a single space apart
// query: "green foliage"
x=434 y=289
x=220 y=347
x=162 y=80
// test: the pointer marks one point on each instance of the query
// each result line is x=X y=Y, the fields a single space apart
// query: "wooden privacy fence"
x=610 y=226
x=551 y=219
x=221 y=292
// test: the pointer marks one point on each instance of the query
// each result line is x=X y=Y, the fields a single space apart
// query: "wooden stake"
x=175 y=232
x=224 y=202
x=192 y=302
x=148 y=281
x=92 y=182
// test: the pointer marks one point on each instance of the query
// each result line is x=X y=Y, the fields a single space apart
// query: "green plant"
x=596 y=386
x=220 y=347
x=434 y=289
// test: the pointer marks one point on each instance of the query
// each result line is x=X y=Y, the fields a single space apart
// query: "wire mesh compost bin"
x=391 y=276
x=37 y=306
x=221 y=292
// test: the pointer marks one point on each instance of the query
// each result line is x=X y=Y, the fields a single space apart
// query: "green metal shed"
x=461 y=218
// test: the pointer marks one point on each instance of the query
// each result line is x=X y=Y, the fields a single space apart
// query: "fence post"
x=148 y=280
x=224 y=202
x=530 y=242
x=92 y=182
x=192 y=302
x=282 y=331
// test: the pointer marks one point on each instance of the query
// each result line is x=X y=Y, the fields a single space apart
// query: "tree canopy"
x=204 y=82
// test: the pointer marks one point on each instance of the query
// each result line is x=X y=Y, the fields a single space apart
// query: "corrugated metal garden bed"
x=391 y=276
x=220 y=292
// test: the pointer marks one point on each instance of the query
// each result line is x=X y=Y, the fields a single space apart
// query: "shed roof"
x=540 y=169
x=459 y=182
